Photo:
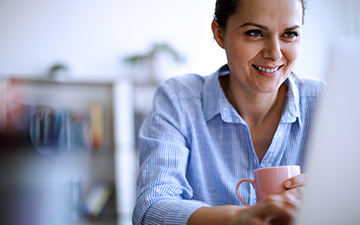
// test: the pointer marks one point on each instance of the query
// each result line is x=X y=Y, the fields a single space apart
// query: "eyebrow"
x=266 y=28
x=292 y=28
x=255 y=24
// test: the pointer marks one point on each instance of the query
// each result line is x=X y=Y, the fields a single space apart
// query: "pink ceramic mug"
x=269 y=181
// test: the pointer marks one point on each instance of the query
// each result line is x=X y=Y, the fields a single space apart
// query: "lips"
x=267 y=69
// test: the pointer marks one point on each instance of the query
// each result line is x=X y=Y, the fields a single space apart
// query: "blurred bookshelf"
x=143 y=99
x=80 y=167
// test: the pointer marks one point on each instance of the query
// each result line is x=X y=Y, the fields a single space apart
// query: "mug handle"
x=237 y=189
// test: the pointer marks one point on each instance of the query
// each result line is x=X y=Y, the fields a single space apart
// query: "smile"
x=266 y=70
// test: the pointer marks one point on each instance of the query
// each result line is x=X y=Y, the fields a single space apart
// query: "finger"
x=277 y=212
x=293 y=195
x=296 y=181
x=282 y=207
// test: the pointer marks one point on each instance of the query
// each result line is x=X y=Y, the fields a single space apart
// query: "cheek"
x=242 y=54
x=293 y=53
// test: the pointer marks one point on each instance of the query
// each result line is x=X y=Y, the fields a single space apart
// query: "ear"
x=218 y=33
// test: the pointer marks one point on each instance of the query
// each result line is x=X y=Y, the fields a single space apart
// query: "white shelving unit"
x=62 y=179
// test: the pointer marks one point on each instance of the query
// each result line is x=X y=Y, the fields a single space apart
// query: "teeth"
x=266 y=70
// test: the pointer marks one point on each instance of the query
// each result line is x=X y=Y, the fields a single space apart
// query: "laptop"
x=332 y=194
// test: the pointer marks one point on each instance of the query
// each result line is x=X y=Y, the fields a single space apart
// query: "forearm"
x=275 y=209
x=216 y=215
x=169 y=211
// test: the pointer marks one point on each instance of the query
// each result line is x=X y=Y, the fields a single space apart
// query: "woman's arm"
x=274 y=209
x=164 y=195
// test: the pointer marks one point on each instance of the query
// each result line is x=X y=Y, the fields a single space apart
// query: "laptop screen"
x=332 y=193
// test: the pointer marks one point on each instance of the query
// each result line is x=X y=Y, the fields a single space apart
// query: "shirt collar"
x=215 y=101
x=291 y=110
x=210 y=96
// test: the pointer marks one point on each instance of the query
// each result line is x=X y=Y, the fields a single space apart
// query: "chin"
x=269 y=88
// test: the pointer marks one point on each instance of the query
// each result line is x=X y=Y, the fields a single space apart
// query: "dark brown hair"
x=225 y=8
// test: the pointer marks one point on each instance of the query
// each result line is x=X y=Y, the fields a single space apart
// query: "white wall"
x=93 y=36
x=325 y=22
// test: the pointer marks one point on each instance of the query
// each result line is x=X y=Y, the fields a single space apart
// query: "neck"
x=254 y=107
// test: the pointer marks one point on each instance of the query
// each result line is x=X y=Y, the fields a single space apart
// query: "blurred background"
x=76 y=81
x=92 y=37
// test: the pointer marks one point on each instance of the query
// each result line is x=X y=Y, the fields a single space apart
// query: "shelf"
x=57 y=168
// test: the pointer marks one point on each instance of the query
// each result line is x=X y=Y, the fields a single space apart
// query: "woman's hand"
x=272 y=210
x=295 y=185
x=281 y=208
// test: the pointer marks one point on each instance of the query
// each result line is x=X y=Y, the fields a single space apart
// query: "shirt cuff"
x=172 y=212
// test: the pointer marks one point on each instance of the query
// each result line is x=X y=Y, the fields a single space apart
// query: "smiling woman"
x=257 y=38
x=207 y=132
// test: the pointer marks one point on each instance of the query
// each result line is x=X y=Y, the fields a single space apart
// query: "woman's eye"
x=254 y=33
x=291 y=35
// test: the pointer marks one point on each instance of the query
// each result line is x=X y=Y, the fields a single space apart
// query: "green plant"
x=150 y=57
x=57 y=67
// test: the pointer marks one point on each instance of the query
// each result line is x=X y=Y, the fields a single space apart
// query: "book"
x=97 y=198
x=96 y=113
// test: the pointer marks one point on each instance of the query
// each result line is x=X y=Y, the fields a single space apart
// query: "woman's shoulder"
x=189 y=85
x=310 y=87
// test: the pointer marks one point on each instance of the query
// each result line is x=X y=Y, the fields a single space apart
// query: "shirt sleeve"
x=164 y=195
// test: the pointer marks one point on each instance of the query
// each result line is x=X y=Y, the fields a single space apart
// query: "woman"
x=206 y=133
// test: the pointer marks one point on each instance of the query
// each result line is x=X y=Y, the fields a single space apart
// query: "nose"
x=272 y=49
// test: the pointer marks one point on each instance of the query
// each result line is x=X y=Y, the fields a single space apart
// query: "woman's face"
x=262 y=41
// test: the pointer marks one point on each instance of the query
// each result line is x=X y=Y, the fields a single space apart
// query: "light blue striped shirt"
x=195 y=147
